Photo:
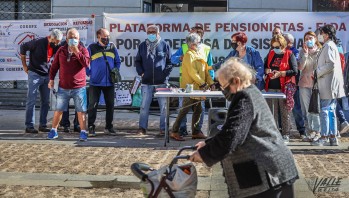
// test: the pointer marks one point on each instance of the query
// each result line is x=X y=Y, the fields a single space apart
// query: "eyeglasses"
x=276 y=47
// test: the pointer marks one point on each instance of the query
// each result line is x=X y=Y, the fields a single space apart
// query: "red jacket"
x=283 y=67
x=72 y=73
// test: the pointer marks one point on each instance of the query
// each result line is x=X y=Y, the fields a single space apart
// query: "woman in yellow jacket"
x=194 y=71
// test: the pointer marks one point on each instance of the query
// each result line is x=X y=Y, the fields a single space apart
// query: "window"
x=330 y=5
x=28 y=6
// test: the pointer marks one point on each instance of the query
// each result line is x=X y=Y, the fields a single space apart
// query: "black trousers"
x=94 y=95
x=65 y=119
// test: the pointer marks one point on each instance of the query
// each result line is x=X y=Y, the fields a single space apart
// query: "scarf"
x=151 y=46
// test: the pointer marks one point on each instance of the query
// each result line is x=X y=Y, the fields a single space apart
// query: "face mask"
x=320 y=38
x=105 y=41
x=310 y=43
x=234 y=46
x=52 y=44
x=277 y=51
x=73 y=42
x=152 y=37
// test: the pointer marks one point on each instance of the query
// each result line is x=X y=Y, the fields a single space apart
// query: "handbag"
x=314 y=98
x=114 y=73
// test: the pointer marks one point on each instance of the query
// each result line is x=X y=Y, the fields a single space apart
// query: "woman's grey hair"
x=236 y=67
x=155 y=27
x=57 y=34
x=289 y=38
x=192 y=38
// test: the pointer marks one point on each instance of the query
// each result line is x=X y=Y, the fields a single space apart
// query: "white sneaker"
x=286 y=139
x=305 y=138
x=321 y=142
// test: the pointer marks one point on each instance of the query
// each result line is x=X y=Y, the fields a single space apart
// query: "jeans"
x=188 y=103
x=78 y=95
x=94 y=95
x=297 y=113
x=37 y=83
x=328 y=117
x=147 y=96
x=312 y=119
x=339 y=110
x=183 y=125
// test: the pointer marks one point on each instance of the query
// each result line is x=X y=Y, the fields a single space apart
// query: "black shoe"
x=66 y=129
x=31 y=130
x=77 y=129
x=110 y=131
x=141 y=131
x=44 y=129
x=183 y=132
x=91 y=131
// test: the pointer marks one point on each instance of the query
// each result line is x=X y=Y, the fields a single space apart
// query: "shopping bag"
x=314 y=101
x=182 y=183
x=122 y=97
x=137 y=98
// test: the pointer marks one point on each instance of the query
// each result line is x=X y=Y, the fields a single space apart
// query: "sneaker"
x=320 y=142
x=52 y=135
x=286 y=139
x=141 y=131
x=199 y=135
x=110 y=131
x=305 y=138
x=91 y=131
x=31 y=130
x=66 y=129
x=44 y=129
x=315 y=136
x=344 y=127
x=83 y=136
x=334 y=142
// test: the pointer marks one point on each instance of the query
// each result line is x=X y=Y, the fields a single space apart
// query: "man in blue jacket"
x=103 y=55
x=153 y=64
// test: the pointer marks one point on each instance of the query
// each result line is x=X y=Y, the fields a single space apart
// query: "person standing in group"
x=331 y=85
x=177 y=58
x=153 y=64
x=307 y=65
x=248 y=54
x=280 y=69
x=104 y=57
x=195 y=71
x=297 y=110
x=256 y=162
x=41 y=51
x=71 y=60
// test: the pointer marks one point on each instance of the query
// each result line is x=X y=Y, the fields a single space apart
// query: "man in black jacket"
x=41 y=50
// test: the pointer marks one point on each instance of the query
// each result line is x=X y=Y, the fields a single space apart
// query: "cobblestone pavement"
x=74 y=158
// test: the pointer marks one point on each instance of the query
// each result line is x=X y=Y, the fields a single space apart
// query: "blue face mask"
x=310 y=43
x=152 y=37
x=277 y=51
x=73 y=42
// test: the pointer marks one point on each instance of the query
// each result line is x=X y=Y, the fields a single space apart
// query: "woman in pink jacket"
x=307 y=65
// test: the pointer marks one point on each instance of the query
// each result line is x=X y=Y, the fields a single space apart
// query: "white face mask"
x=320 y=38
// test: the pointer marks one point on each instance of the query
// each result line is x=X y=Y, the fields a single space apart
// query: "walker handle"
x=138 y=168
x=186 y=148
